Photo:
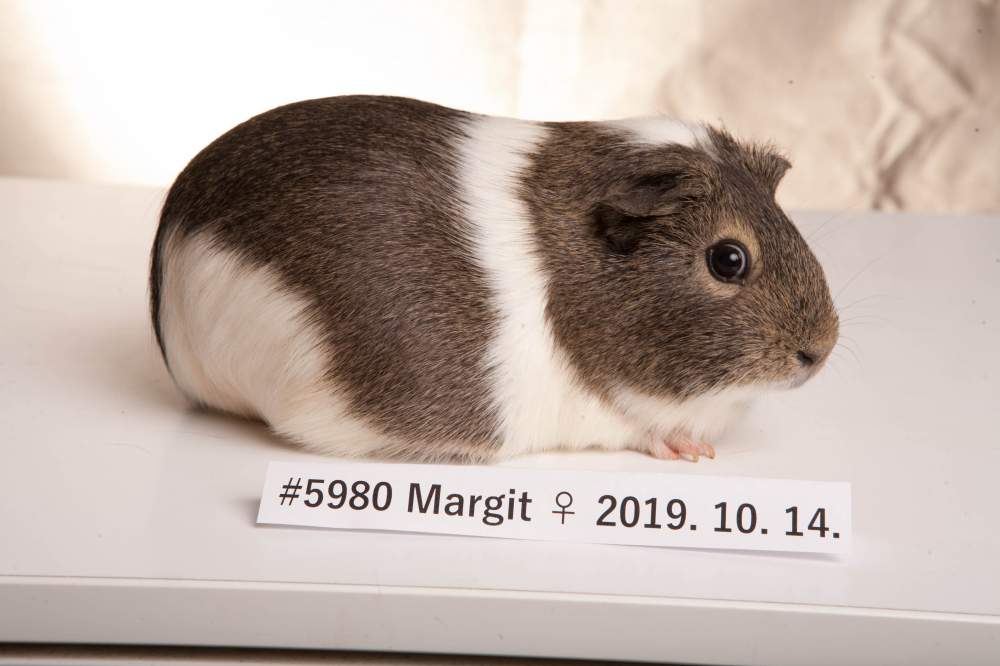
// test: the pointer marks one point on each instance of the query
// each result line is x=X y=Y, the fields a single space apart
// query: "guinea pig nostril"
x=805 y=358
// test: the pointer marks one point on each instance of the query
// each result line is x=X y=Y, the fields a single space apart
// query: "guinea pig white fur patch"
x=238 y=340
x=659 y=131
x=541 y=404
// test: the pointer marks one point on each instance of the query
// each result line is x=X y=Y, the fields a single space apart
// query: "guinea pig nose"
x=806 y=358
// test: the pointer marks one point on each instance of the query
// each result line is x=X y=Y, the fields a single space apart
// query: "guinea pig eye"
x=728 y=260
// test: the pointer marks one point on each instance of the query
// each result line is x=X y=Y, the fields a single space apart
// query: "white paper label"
x=670 y=510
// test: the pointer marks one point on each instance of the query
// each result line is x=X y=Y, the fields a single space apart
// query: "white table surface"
x=127 y=517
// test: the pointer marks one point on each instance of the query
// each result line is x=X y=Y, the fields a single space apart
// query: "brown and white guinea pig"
x=385 y=277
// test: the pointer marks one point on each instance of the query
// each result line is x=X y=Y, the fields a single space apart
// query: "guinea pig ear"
x=770 y=167
x=644 y=195
x=621 y=219
x=761 y=160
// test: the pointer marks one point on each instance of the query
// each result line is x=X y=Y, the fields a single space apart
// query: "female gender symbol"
x=564 y=500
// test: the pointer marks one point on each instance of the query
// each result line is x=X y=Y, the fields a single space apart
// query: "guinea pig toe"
x=681 y=447
x=706 y=449
x=664 y=451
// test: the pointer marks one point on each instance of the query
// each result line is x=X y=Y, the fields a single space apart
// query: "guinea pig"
x=379 y=276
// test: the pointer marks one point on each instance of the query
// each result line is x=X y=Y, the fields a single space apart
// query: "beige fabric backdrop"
x=888 y=104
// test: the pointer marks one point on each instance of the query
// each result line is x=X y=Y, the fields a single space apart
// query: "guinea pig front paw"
x=678 y=446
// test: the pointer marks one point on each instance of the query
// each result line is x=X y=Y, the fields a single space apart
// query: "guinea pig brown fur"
x=385 y=277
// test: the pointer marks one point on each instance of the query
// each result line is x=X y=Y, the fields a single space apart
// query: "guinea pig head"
x=685 y=277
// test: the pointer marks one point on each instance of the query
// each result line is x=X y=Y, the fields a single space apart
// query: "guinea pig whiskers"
x=857 y=275
x=855 y=303
x=835 y=362
x=861 y=317
x=817 y=239
x=833 y=216
x=864 y=320
x=845 y=344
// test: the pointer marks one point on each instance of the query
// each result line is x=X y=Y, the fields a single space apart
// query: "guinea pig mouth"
x=800 y=378
x=804 y=373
